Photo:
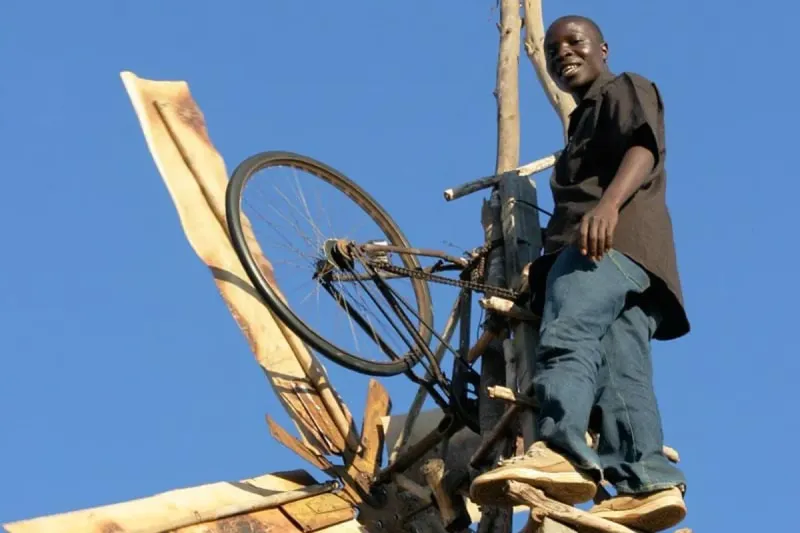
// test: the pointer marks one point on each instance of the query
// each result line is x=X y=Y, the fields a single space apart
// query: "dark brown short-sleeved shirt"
x=617 y=112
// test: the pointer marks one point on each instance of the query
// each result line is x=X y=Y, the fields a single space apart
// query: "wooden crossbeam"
x=543 y=507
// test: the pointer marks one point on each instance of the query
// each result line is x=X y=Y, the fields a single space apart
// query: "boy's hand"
x=597 y=230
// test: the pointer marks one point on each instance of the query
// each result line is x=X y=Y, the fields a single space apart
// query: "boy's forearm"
x=634 y=169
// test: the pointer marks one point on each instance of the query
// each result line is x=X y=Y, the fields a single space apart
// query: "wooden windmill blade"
x=195 y=176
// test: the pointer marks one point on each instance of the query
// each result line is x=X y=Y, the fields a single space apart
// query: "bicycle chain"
x=489 y=290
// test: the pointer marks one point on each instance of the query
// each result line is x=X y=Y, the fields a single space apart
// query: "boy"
x=610 y=285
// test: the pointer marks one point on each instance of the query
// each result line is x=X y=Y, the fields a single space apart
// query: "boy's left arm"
x=633 y=112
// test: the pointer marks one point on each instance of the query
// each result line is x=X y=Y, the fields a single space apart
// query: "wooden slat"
x=269 y=520
x=543 y=507
x=324 y=510
x=298 y=447
x=377 y=406
x=195 y=176
x=362 y=466
x=166 y=511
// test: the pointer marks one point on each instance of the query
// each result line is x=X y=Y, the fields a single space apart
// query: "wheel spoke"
x=298 y=221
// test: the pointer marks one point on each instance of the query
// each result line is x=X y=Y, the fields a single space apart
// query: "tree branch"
x=562 y=102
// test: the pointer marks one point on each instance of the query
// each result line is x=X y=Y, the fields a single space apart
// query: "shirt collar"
x=597 y=85
x=593 y=93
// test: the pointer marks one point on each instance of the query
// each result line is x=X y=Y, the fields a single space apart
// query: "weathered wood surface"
x=543 y=507
x=498 y=520
x=522 y=240
x=195 y=176
x=562 y=103
x=490 y=181
x=358 y=469
x=195 y=509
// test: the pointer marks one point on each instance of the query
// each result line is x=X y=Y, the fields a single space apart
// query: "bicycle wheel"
x=248 y=250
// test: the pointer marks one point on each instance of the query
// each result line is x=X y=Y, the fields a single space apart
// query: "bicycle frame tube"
x=425 y=252
x=463 y=374
x=383 y=287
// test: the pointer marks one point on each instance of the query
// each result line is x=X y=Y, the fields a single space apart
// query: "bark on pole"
x=498 y=520
x=507 y=88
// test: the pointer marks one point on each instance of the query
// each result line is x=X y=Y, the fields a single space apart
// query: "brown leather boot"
x=655 y=511
x=541 y=468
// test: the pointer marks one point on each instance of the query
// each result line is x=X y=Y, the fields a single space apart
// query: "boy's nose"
x=564 y=51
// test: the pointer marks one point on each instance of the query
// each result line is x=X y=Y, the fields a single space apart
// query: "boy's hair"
x=581 y=18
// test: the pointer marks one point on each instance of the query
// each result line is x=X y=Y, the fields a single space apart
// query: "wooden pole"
x=182 y=508
x=498 y=520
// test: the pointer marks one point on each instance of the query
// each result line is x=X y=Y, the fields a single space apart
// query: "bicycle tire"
x=239 y=178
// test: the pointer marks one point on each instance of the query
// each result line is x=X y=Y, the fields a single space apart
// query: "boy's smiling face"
x=575 y=53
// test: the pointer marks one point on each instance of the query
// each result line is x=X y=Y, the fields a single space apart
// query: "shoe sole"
x=657 y=515
x=566 y=487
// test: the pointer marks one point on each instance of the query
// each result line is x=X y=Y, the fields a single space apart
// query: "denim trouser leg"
x=583 y=298
x=631 y=435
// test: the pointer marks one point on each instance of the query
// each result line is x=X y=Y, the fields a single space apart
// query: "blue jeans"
x=593 y=360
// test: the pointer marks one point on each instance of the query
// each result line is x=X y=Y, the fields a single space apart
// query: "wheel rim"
x=320 y=335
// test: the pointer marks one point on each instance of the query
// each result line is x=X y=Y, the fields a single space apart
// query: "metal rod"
x=388 y=294
x=361 y=321
x=274 y=500
x=426 y=252
x=422 y=392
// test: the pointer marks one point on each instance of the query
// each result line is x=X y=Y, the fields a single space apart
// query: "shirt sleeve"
x=634 y=110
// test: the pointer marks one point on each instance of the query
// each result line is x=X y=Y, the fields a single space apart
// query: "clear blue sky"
x=122 y=372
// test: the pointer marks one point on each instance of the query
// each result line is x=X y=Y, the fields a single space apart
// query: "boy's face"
x=575 y=54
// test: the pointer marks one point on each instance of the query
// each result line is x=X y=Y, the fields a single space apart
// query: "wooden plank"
x=362 y=466
x=298 y=447
x=378 y=406
x=269 y=521
x=169 y=510
x=543 y=507
x=195 y=176
x=546 y=526
x=522 y=239
x=262 y=521
x=324 y=510
x=348 y=527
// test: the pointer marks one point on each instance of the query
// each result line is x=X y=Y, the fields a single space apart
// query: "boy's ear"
x=604 y=50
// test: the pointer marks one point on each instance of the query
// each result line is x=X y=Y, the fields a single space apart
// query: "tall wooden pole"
x=507 y=87
x=498 y=520
x=509 y=216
